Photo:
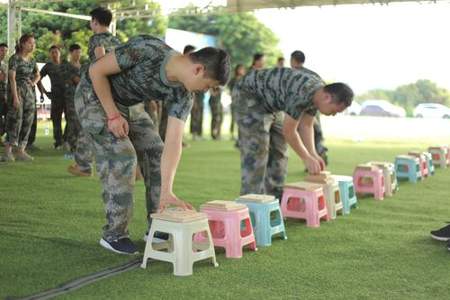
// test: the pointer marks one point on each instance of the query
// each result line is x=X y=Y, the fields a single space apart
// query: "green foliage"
x=241 y=35
x=64 y=31
x=409 y=95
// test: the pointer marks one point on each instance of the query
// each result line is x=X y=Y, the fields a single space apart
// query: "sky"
x=368 y=46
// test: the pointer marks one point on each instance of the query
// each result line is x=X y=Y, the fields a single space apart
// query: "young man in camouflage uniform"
x=196 y=127
x=70 y=71
x=216 y=108
x=124 y=134
x=100 y=43
x=23 y=74
x=297 y=62
x=3 y=90
x=53 y=70
x=263 y=94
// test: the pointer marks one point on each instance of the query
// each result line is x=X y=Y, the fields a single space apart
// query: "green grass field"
x=50 y=224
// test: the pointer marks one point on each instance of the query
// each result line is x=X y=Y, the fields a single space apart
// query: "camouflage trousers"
x=263 y=149
x=56 y=112
x=216 y=116
x=83 y=153
x=19 y=122
x=196 y=127
x=117 y=159
x=3 y=112
x=73 y=126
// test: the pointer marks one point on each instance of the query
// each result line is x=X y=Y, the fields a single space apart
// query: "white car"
x=432 y=110
x=353 y=110
x=381 y=108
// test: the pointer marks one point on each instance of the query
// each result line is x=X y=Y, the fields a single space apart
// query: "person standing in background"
x=3 y=90
x=23 y=74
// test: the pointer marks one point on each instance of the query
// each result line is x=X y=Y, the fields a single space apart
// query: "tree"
x=64 y=31
x=409 y=95
x=240 y=34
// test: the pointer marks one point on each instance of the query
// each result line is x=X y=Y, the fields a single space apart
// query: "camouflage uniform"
x=18 y=122
x=262 y=97
x=317 y=127
x=3 y=94
x=83 y=154
x=197 y=114
x=231 y=85
x=69 y=73
x=142 y=62
x=216 y=107
x=57 y=97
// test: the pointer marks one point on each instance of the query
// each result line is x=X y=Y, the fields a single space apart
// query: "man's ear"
x=199 y=69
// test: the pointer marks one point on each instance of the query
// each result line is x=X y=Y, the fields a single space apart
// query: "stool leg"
x=211 y=243
x=312 y=219
x=233 y=249
x=148 y=248
x=183 y=252
x=378 y=186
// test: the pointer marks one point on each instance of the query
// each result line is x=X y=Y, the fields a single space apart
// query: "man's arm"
x=42 y=74
x=99 y=73
x=292 y=137
x=13 y=86
x=99 y=52
x=306 y=130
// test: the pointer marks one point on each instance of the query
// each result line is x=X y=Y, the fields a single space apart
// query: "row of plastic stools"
x=223 y=224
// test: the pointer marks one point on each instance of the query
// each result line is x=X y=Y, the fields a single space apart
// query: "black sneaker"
x=122 y=246
x=442 y=234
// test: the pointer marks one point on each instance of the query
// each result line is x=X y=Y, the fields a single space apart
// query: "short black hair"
x=280 y=58
x=54 y=47
x=3 y=45
x=74 y=47
x=340 y=92
x=298 y=56
x=216 y=62
x=188 y=48
x=257 y=56
x=101 y=15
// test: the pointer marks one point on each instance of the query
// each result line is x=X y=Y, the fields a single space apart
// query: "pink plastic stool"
x=422 y=162
x=304 y=200
x=227 y=232
x=375 y=174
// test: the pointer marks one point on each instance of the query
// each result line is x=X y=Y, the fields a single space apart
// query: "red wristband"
x=114 y=118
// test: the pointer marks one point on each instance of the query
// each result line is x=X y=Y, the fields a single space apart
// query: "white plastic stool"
x=182 y=252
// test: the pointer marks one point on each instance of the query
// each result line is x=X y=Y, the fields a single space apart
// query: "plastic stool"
x=261 y=208
x=408 y=167
x=439 y=155
x=304 y=200
x=422 y=161
x=330 y=190
x=390 y=176
x=180 y=249
x=347 y=191
x=362 y=174
x=429 y=159
x=225 y=219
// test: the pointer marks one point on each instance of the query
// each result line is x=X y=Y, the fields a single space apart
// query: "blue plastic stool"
x=429 y=158
x=264 y=226
x=408 y=167
x=347 y=192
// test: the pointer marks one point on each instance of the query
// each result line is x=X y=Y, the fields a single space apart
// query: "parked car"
x=381 y=108
x=431 y=110
x=353 y=110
